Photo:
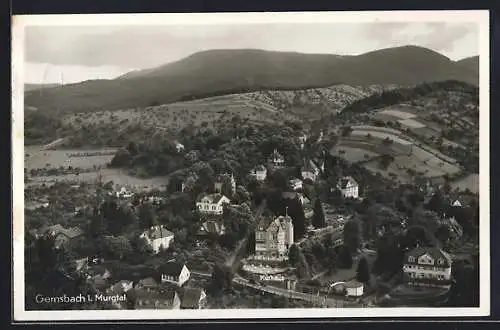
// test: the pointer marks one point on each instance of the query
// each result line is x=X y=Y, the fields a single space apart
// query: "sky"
x=55 y=54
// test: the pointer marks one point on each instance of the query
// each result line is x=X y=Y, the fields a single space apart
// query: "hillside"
x=219 y=72
x=33 y=87
x=429 y=130
x=471 y=64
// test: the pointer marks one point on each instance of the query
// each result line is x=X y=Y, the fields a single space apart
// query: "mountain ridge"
x=218 y=72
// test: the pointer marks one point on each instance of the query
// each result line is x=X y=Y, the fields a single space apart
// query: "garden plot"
x=398 y=114
x=411 y=123
x=354 y=154
x=382 y=136
x=369 y=129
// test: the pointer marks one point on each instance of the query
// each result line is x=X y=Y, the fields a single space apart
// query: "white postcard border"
x=481 y=17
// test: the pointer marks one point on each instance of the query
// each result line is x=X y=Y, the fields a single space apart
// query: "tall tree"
x=352 y=235
x=147 y=216
x=363 y=271
x=318 y=217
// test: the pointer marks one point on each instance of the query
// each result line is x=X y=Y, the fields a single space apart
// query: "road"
x=315 y=299
x=233 y=262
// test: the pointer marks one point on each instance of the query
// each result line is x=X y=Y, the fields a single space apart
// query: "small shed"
x=354 y=289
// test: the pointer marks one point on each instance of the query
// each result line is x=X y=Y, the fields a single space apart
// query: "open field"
x=354 y=154
x=411 y=123
x=57 y=158
x=398 y=114
x=369 y=129
x=470 y=182
x=36 y=158
x=119 y=177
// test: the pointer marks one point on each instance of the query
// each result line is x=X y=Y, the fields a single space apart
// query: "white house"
x=179 y=146
x=259 y=172
x=348 y=187
x=124 y=193
x=296 y=184
x=158 y=237
x=427 y=266
x=310 y=171
x=174 y=272
x=212 y=204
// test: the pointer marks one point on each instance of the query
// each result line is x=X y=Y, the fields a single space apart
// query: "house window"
x=411 y=259
x=440 y=261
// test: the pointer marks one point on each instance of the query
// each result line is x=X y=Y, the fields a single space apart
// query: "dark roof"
x=158 y=232
x=58 y=229
x=290 y=195
x=214 y=198
x=171 y=268
x=353 y=284
x=260 y=168
x=345 y=180
x=211 y=226
x=191 y=297
x=163 y=294
x=434 y=252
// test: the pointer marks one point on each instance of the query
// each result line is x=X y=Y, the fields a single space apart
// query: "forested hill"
x=219 y=72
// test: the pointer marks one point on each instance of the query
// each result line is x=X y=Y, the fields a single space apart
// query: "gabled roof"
x=223 y=177
x=191 y=297
x=260 y=168
x=171 y=268
x=434 y=252
x=345 y=181
x=119 y=287
x=58 y=229
x=213 y=198
x=158 y=232
x=212 y=226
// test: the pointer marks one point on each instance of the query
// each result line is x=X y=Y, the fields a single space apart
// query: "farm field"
x=411 y=123
x=470 y=182
x=57 y=158
x=420 y=161
x=36 y=158
x=369 y=128
x=398 y=114
x=381 y=135
x=354 y=154
x=119 y=177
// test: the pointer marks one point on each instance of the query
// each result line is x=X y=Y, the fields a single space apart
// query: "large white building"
x=273 y=238
x=427 y=266
x=259 y=173
x=158 y=237
x=309 y=171
x=212 y=204
x=348 y=187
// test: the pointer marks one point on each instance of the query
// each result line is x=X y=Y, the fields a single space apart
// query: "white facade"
x=156 y=240
x=177 y=279
x=296 y=184
x=179 y=147
x=259 y=173
x=354 y=290
x=210 y=206
x=427 y=266
x=348 y=187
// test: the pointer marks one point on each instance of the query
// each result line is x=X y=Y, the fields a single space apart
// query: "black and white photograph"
x=251 y=165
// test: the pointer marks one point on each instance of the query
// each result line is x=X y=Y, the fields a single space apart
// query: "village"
x=291 y=244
